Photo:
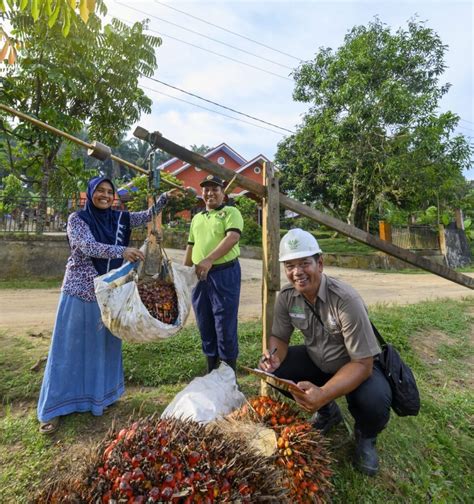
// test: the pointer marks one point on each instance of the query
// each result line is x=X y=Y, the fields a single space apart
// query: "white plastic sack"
x=123 y=312
x=207 y=398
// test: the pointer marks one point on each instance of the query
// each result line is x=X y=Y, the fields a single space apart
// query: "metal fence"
x=416 y=237
x=21 y=215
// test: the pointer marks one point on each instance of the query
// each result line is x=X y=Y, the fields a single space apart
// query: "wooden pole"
x=385 y=231
x=91 y=147
x=442 y=240
x=270 y=264
x=459 y=218
x=329 y=221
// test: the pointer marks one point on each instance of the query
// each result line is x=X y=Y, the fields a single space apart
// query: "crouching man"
x=339 y=355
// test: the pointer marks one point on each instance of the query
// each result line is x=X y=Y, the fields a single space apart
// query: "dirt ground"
x=34 y=310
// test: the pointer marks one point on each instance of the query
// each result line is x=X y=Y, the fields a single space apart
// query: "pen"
x=264 y=359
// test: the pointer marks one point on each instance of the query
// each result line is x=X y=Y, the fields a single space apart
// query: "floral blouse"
x=80 y=272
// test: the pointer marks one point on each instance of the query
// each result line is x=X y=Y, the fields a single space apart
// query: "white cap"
x=298 y=243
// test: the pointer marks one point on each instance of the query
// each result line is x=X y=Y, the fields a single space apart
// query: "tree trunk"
x=354 y=203
x=43 y=203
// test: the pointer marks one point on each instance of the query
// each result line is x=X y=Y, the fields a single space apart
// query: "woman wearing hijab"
x=84 y=368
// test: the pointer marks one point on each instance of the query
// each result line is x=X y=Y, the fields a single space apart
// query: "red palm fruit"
x=126 y=476
x=121 y=434
x=169 y=481
x=125 y=488
x=136 y=460
x=193 y=458
x=106 y=497
x=167 y=493
x=154 y=494
x=197 y=476
x=138 y=474
x=225 y=486
x=244 y=489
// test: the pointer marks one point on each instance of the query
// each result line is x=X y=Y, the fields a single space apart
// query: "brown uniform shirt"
x=343 y=331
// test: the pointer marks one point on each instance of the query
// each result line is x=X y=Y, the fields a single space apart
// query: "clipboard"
x=280 y=383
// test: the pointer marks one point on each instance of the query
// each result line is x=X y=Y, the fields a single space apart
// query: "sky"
x=254 y=76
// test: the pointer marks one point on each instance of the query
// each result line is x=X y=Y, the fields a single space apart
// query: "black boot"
x=366 y=458
x=212 y=363
x=231 y=362
x=327 y=417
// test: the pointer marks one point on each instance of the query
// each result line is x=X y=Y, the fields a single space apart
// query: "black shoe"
x=366 y=458
x=212 y=363
x=231 y=362
x=326 y=418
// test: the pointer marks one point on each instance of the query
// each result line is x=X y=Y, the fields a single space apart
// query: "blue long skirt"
x=84 y=369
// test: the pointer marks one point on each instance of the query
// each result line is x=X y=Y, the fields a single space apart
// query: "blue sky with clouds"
x=298 y=28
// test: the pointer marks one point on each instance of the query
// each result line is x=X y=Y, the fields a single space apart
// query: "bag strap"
x=378 y=335
x=376 y=331
x=315 y=313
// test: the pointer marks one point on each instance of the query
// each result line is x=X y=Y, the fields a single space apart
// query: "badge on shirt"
x=297 y=312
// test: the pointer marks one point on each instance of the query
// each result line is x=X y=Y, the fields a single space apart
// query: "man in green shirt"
x=213 y=247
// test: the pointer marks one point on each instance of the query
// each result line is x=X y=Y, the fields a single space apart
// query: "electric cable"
x=227 y=30
x=219 y=105
x=210 y=51
x=213 y=111
x=203 y=35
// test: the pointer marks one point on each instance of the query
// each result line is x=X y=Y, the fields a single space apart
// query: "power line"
x=464 y=127
x=212 y=52
x=204 y=36
x=227 y=30
x=465 y=120
x=213 y=111
x=219 y=105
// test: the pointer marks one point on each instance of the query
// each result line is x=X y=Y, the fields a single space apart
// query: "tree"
x=89 y=78
x=10 y=193
x=200 y=149
x=137 y=151
x=373 y=134
x=252 y=234
x=67 y=12
x=141 y=193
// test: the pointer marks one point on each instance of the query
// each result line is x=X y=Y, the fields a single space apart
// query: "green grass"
x=423 y=459
x=33 y=283
x=343 y=246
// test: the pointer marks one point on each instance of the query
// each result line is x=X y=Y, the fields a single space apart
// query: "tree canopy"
x=88 y=79
x=65 y=12
x=373 y=133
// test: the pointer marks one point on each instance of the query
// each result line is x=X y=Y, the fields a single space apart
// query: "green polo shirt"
x=209 y=228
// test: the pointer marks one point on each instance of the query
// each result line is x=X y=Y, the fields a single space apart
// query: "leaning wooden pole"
x=94 y=149
x=291 y=204
x=270 y=264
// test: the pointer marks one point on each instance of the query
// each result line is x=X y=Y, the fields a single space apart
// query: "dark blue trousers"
x=216 y=305
x=369 y=403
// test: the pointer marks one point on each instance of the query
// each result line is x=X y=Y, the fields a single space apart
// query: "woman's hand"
x=131 y=254
x=176 y=193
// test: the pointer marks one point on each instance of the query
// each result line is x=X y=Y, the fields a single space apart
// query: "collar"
x=204 y=212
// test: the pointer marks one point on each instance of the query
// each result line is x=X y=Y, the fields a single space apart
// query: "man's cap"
x=212 y=179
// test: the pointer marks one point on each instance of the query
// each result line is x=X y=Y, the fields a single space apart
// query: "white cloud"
x=295 y=27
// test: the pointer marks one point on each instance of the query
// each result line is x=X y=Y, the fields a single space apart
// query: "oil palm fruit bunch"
x=160 y=299
x=172 y=460
x=301 y=451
